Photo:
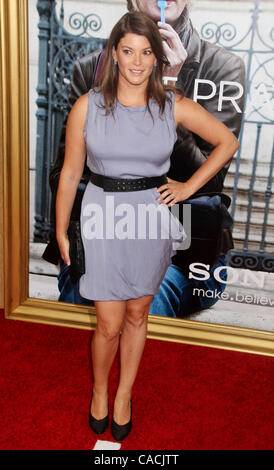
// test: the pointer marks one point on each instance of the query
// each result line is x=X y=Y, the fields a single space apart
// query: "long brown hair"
x=136 y=23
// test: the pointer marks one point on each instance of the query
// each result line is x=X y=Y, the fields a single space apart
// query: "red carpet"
x=185 y=397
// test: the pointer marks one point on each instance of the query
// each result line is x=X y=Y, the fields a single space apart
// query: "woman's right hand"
x=63 y=243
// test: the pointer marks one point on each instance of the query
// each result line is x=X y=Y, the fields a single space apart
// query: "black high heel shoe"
x=118 y=431
x=98 y=425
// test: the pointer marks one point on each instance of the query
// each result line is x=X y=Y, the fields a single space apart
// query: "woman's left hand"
x=174 y=50
x=173 y=192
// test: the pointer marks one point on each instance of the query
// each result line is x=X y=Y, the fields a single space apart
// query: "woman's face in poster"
x=172 y=12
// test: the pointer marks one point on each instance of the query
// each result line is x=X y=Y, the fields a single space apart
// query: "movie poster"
x=222 y=58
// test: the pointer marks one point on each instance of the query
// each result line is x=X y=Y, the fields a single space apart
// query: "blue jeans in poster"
x=175 y=298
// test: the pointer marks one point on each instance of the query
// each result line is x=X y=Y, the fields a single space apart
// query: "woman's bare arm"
x=72 y=170
x=195 y=118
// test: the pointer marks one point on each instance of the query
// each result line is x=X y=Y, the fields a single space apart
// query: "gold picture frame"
x=15 y=151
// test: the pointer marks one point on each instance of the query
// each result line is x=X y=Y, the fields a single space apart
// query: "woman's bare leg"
x=105 y=341
x=132 y=342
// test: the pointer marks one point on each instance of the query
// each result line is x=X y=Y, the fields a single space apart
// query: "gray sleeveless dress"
x=128 y=237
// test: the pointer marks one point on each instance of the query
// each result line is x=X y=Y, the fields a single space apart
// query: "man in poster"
x=208 y=74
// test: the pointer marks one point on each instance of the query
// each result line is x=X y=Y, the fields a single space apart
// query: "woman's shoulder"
x=178 y=96
x=187 y=110
x=175 y=98
x=181 y=101
x=80 y=107
x=175 y=94
x=82 y=101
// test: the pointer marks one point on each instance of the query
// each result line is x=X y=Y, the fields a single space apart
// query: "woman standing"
x=127 y=125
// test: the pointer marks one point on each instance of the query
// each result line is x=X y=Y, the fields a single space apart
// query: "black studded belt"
x=123 y=184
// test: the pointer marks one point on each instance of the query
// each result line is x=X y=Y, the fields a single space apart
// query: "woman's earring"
x=155 y=65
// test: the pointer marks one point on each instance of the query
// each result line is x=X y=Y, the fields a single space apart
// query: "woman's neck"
x=131 y=95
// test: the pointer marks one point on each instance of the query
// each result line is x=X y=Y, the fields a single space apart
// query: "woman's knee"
x=110 y=331
x=110 y=316
x=137 y=314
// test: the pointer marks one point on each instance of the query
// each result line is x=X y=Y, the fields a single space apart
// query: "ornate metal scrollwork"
x=251 y=260
x=215 y=33
x=86 y=24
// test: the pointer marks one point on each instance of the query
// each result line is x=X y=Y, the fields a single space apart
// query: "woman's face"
x=135 y=59
x=172 y=12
